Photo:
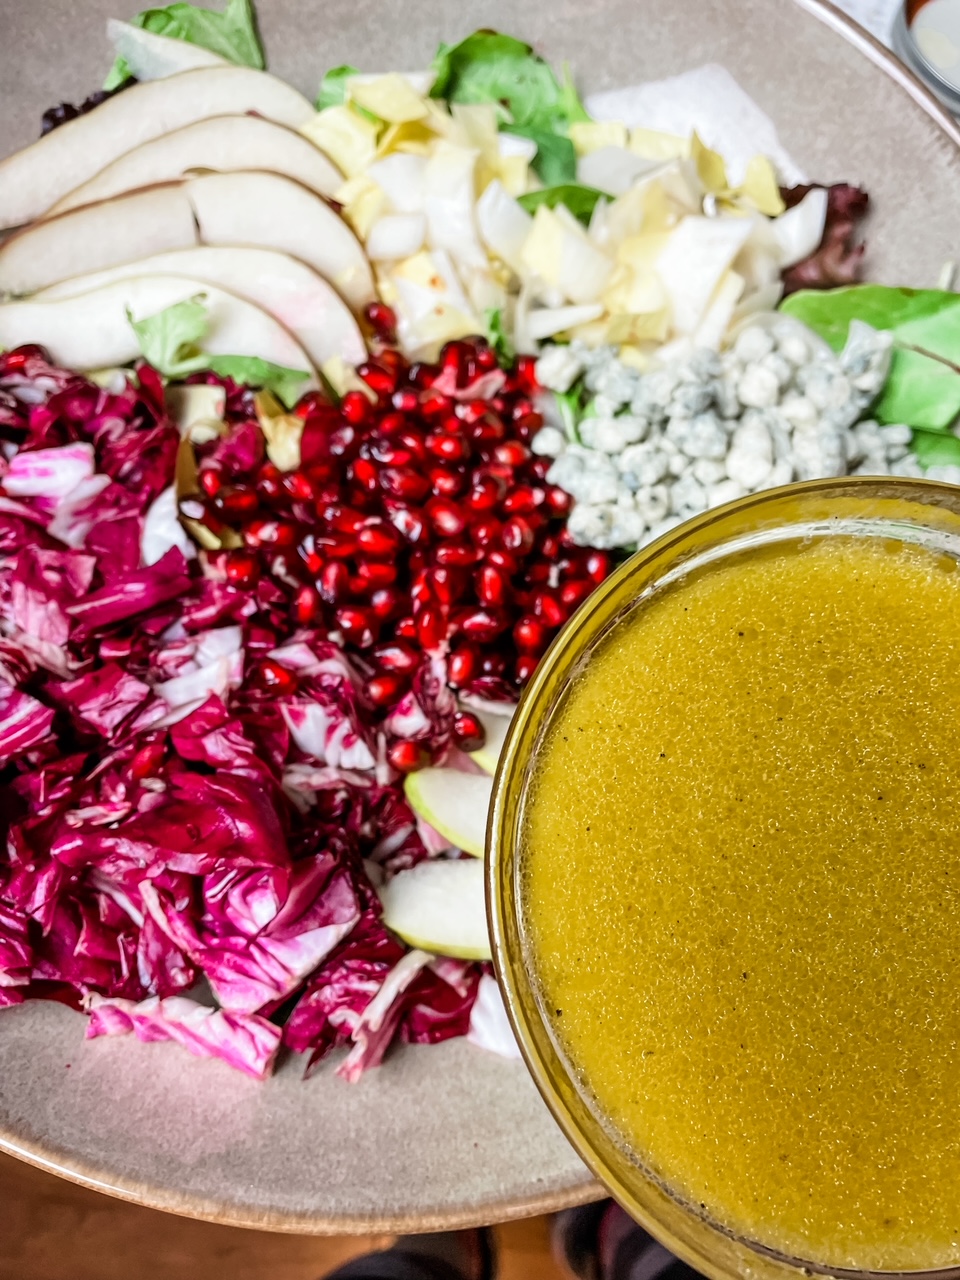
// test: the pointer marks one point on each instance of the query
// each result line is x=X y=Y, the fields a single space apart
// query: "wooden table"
x=53 y=1230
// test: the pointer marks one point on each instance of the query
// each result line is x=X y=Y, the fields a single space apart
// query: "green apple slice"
x=495 y=727
x=454 y=803
x=439 y=906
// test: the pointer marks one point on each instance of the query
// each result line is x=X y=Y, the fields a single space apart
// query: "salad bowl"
x=439 y=1136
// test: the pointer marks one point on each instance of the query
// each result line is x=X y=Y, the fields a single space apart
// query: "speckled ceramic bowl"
x=442 y=1136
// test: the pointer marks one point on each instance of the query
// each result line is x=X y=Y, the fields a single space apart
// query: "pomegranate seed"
x=558 y=501
x=392 y=424
x=549 y=608
x=275 y=676
x=487 y=492
x=486 y=532
x=386 y=603
x=381 y=381
x=269 y=482
x=482 y=624
x=334 y=582
x=413 y=441
x=364 y=473
x=402 y=482
x=435 y=405
x=503 y=560
x=210 y=480
x=407 y=757
x=597 y=565
x=539 y=467
x=492 y=585
x=359 y=625
x=148 y=759
x=422 y=375
x=343 y=519
x=384 y=689
x=462 y=666
x=449 y=447
x=524 y=667
x=337 y=546
x=299 y=486
x=525 y=373
x=446 y=517
x=528 y=426
x=511 y=452
x=421 y=592
x=517 y=535
x=471 y=411
x=488 y=431
x=378 y=540
x=410 y=524
x=454 y=357
x=550 y=547
x=493 y=664
x=390 y=453
x=530 y=635
x=406 y=400
x=573 y=594
x=236 y=504
x=447 y=584
x=306 y=605
x=524 y=499
x=356 y=408
x=373 y=574
x=382 y=320
x=452 y=425
x=431 y=628
x=241 y=568
x=538 y=573
x=396 y=655
x=468 y=731
x=485 y=356
x=405 y=629
x=457 y=554
x=446 y=483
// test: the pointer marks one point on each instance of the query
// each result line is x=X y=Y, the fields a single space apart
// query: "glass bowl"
x=922 y=512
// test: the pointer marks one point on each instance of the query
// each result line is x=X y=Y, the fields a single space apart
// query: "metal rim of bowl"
x=910 y=53
x=711 y=1248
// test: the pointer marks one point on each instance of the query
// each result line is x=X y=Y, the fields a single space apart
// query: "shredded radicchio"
x=171 y=822
x=838 y=258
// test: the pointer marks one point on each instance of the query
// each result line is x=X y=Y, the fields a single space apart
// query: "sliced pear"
x=440 y=906
x=35 y=178
x=256 y=209
x=495 y=728
x=454 y=803
x=92 y=330
x=221 y=143
x=289 y=290
x=97 y=236
x=274 y=212
x=151 y=56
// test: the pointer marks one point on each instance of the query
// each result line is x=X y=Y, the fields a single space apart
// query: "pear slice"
x=440 y=906
x=274 y=212
x=454 y=803
x=289 y=290
x=262 y=210
x=37 y=177
x=221 y=143
x=495 y=728
x=92 y=330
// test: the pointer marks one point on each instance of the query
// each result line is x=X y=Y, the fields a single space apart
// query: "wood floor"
x=53 y=1230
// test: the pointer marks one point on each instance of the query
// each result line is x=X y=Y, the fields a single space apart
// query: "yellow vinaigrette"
x=741 y=894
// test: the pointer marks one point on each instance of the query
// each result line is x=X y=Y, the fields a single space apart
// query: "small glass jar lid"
x=926 y=36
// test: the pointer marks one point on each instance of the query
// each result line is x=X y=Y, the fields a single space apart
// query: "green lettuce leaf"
x=923 y=389
x=333 y=87
x=170 y=341
x=936 y=448
x=232 y=34
x=490 y=67
x=581 y=201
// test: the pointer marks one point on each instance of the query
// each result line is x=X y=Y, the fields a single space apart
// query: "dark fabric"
x=396 y=1264
x=599 y=1242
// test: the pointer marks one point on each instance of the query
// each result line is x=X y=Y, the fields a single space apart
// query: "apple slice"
x=37 y=177
x=273 y=212
x=454 y=803
x=91 y=330
x=289 y=290
x=262 y=210
x=495 y=727
x=440 y=906
x=221 y=143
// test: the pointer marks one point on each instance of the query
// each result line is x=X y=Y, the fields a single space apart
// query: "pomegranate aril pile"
x=418 y=527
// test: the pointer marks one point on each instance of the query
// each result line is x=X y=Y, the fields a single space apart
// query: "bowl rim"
x=498 y=1208
x=712 y=1249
